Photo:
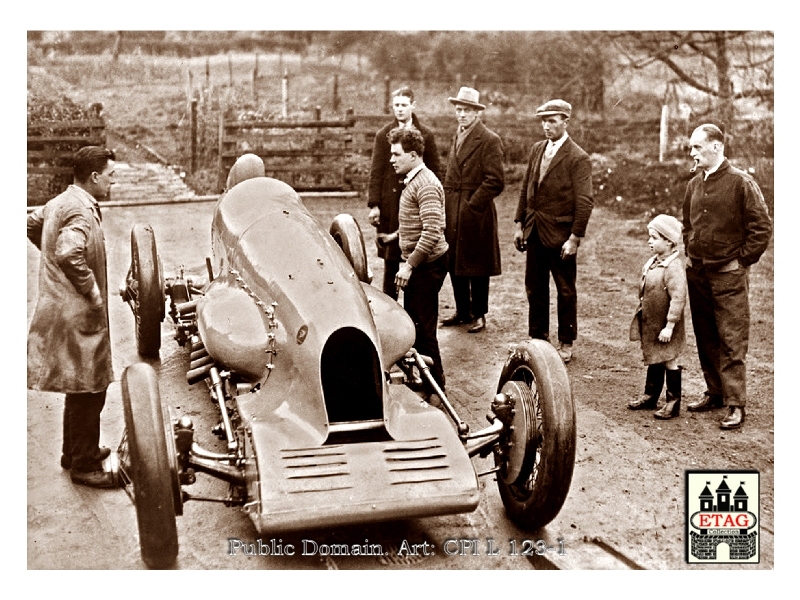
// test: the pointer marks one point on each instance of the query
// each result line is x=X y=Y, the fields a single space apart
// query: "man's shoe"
x=477 y=325
x=734 y=419
x=95 y=479
x=565 y=352
x=102 y=454
x=455 y=320
x=707 y=402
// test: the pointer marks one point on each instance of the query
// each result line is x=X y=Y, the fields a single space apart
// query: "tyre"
x=537 y=456
x=148 y=285
x=149 y=462
x=347 y=234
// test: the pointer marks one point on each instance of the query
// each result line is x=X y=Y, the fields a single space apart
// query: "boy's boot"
x=673 y=405
x=652 y=388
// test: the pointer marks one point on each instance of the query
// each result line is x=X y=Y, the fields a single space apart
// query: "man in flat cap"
x=474 y=178
x=555 y=204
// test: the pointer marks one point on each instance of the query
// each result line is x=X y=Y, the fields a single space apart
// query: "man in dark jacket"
x=385 y=186
x=474 y=178
x=555 y=204
x=69 y=348
x=726 y=228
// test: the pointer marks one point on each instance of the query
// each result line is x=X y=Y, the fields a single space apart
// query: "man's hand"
x=665 y=334
x=374 y=216
x=94 y=297
x=570 y=247
x=92 y=320
x=384 y=239
x=403 y=275
x=519 y=241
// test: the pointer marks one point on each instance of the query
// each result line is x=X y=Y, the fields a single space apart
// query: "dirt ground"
x=607 y=371
x=627 y=491
x=631 y=471
x=628 y=486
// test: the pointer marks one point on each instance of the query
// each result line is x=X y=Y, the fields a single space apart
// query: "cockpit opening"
x=352 y=381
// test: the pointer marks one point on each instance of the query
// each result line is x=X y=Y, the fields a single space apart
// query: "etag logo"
x=722 y=517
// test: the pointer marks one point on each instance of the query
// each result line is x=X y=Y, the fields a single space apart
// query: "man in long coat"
x=554 y=207
x=385 y=186
x=474 y=178
x=69 y=348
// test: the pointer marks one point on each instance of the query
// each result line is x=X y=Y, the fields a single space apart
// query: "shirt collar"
x=87 y=197
x=410 y=175
x=713 y=169
x=558 y=143
x=468 y=128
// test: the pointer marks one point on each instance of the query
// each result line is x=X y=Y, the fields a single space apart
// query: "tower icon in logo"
x=722 y=526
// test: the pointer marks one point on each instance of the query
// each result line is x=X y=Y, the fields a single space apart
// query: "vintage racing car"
x=323 y=401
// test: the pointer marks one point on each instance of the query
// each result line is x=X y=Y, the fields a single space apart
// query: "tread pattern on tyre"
x=149 y=291
x=345 y=230
x=150 y=469
x=534 y=508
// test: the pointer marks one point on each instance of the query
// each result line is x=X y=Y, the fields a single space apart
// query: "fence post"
x=193 y=129
x=663 y=134
x=208 y=73
x=474 y=82
x=230 y=70
x=255 y=81
x=387 y=95
x=336 y=92
x=285 y=94
x=221 y=175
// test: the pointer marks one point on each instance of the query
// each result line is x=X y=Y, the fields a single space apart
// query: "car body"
x=324 y=403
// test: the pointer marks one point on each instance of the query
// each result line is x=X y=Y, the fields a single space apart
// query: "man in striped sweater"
x=422 y=243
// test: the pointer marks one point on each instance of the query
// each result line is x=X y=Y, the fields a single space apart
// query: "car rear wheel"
x=347 y=234
x=148 y=462
x=536 y=456
x=147 y=282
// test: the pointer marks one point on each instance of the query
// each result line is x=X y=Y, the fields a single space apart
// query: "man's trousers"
x=721 y=319
x=82 y=429
x=471 y=295
x=421 y=301
x=539 y=264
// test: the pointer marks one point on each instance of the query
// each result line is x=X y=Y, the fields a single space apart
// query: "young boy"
x=659 y=323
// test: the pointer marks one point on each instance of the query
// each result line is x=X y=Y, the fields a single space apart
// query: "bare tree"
x=726 y=65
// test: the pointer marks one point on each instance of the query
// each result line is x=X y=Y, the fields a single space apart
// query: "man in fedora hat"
x=554 y=208
x=473 y=179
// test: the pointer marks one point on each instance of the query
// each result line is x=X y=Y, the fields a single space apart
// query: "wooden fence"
x=334 y=154
x=308 y=155
x=51 y=147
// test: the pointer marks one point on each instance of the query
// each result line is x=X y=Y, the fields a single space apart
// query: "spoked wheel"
x=148 y=465
x=536 y=457
x=146 y=283
x=346 y=232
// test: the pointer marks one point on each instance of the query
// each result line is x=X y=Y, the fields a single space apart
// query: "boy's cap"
x=668 y=226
